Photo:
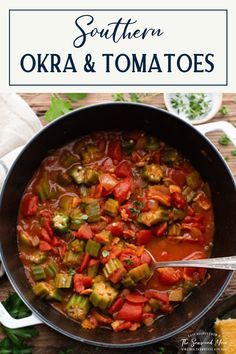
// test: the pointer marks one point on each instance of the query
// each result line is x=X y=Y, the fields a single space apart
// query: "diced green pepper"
x=140 y=272
x=153 y=173
x=60 y=223
x=153 y=217
x=38 y=257
x=63 y=280
x=111 y=207
x=67 y=159
x=51 y=269
x=78 y=307
x=93 y=211
x=77 y=246
x=72 y=258
x=92 y=247
x=38 y=272
x=112 y=266
x=193 y=180
x=103 y=295
x=90 y=153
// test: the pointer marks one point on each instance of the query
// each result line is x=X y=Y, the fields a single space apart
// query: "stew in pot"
x=89 y=214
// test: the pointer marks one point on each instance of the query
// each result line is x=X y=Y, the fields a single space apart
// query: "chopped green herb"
x=224 y=110
x=224 y=140
x=118 y=97
x=193 y=105
x=105 y=253
x=129 y=261
x=74 y=97
x=58 y=108
x=233 y=152
x=134 y=211
x=134 y=97
x=138 y=204
x=71 y=271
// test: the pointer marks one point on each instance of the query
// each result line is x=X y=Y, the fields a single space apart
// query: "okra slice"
x=128 y=282
x=92 y=209
x=77 y=219
x=153 y=217
x=24 y=239
x=38 y=272
x=51 y=269
x=90 y=153
x=42 y=187
x=193 y=180
x=67 y=159
x=55 y=294
x=153 y=144
x=170 y=156
x=92 y=247
x=111 y=267
x=77 y=174
x=64 y=179
x=73 y=258
x=90 y=176
x=41 y=289
x=141 y=272
x=60 y=223
x=63 y=280
x=77 y=307
x=93 y=268
x=153 y=173
x=103 y=295
x=111 y=207
x=76 y=246
x=38 y=257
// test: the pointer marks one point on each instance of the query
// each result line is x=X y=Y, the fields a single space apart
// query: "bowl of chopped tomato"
x=87 y=201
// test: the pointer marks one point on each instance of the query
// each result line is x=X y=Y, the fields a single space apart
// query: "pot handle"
x=224 y=126
x=8 y=321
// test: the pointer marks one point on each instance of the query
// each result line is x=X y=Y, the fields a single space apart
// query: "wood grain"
x=49 y=341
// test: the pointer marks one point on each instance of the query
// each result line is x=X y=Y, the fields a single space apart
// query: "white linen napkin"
x=18 y=123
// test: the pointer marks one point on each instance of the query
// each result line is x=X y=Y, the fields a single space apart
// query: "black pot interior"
x=125 y=117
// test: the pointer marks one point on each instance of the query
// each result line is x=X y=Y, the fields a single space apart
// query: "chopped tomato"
x=84 y=232
x=122 y=190
x=169 y=276
x=44 y=246
x=161 y=296
x=145 y=258
x=123 y=169
x=107 y=181
x=81 y=282
x=117 y=276
x=116 y=228
x=48 y=228
x=101 y=318
x=102 y=145
x=143 y=237
x=45 y=235
x=107 y=165
x=161 y=229
x=136 y=298
x=116 y=306
x=178 y=200
x=162 y=197
x=85 y=262
x=115 y=150
x=130 y=312
x=129 y=260
x=30 y=205
x=123 y=326
x=177 y=176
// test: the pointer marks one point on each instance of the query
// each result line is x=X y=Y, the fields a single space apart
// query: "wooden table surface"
x=51 y=342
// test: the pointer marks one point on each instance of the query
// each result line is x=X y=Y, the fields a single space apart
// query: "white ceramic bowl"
x=214 y=106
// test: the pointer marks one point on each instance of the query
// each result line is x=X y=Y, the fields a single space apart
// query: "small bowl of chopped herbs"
x=194 y=107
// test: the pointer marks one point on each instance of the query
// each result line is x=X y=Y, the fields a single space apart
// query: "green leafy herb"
x=233 y=152
x=105 y=253
x=224 y=140
x=134 y=97
x=138 y=204
x=193 y=105
x=224 y=110
x=129 y=261
x=134 y=211
x=118 y=97
x=15 y=339
x=58 y=108
x=74 y=97
x=226 y=158
x=71 y=271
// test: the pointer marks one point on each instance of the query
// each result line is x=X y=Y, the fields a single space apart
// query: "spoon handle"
x=228 y=263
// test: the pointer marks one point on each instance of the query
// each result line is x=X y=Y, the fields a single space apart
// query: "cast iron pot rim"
x=55 y=327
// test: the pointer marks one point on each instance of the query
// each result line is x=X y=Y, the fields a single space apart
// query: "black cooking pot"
x=124 y=116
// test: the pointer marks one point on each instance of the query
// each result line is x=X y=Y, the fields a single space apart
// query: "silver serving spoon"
x=227 y=263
